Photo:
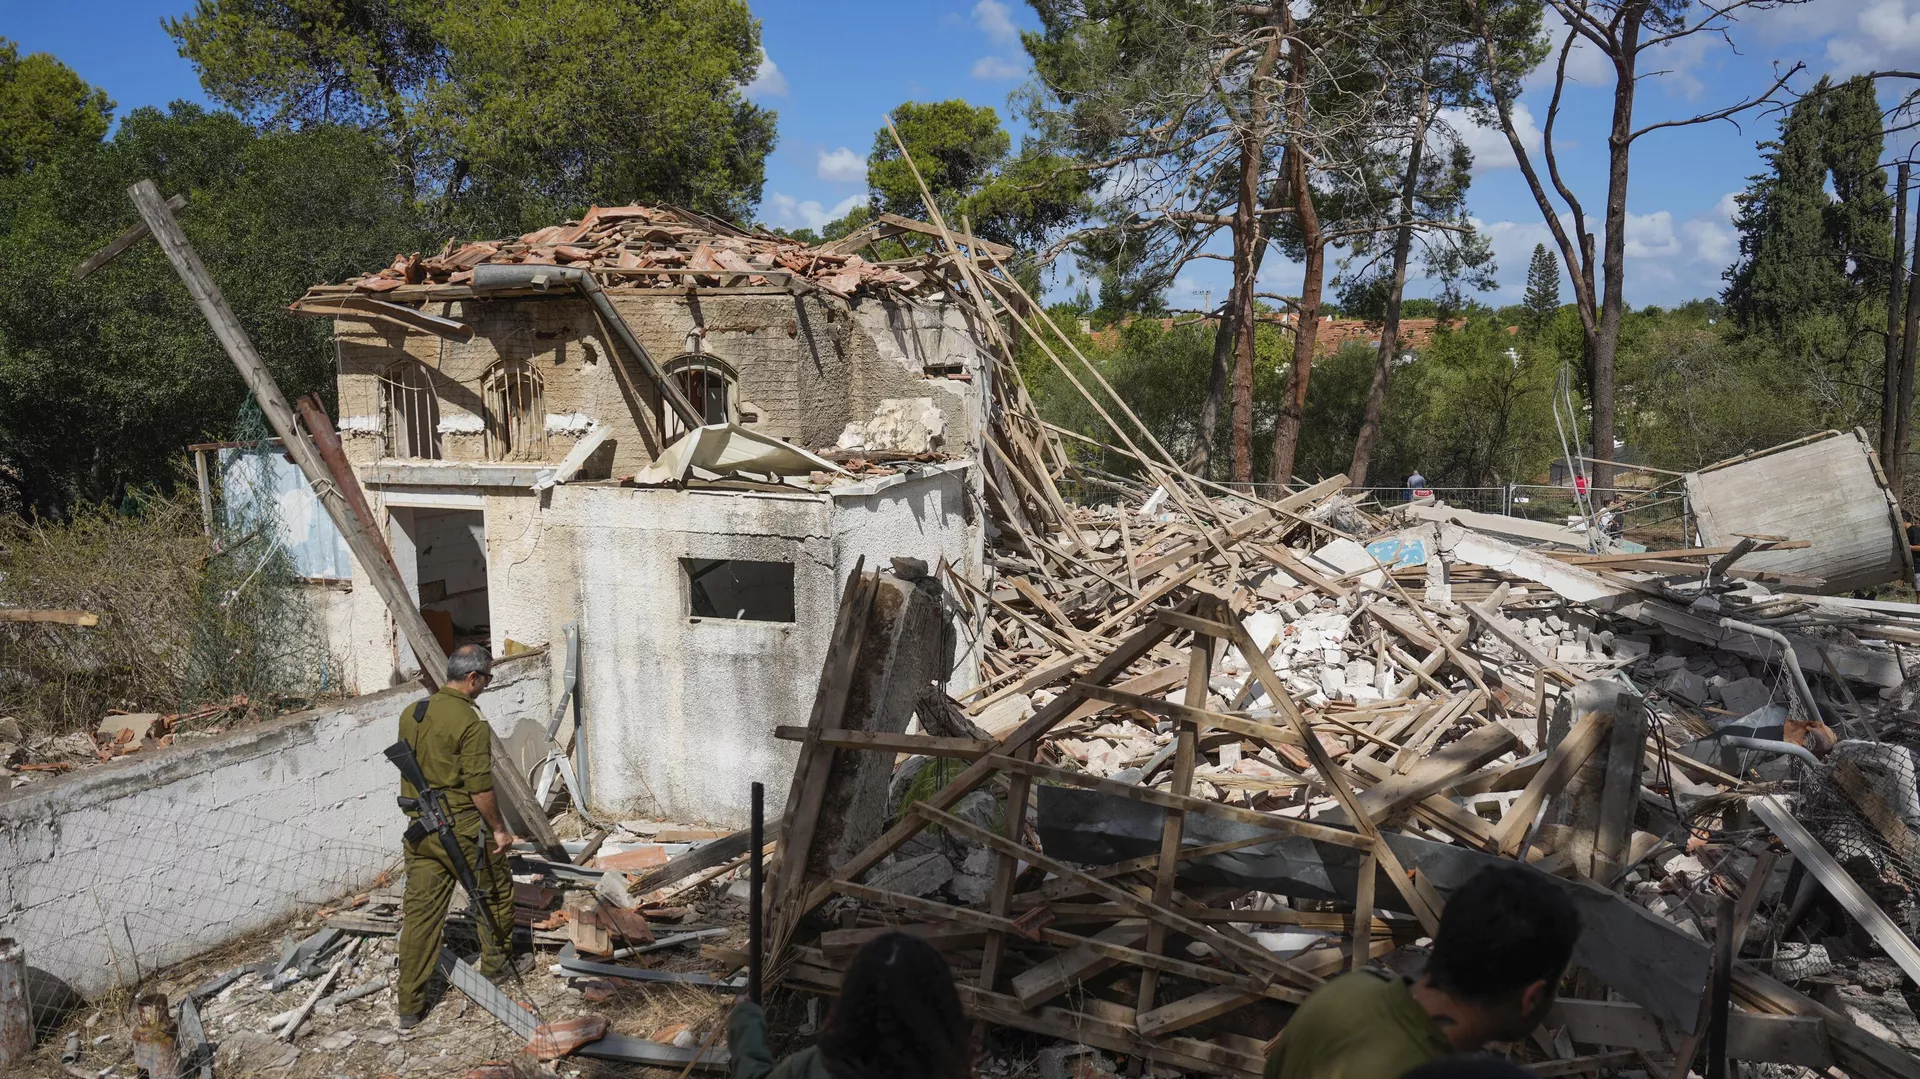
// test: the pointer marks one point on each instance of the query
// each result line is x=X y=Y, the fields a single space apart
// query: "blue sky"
x=834 y=67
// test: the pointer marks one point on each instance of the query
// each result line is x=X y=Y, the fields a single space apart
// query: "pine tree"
x=1803 y=252
x=1543 y=290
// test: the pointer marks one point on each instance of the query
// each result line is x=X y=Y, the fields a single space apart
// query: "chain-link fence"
x=1861 y=803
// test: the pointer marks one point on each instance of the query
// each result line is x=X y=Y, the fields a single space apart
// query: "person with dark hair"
x=1504 y=940
x=898 y=1015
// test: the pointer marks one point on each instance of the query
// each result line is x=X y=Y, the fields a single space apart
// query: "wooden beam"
x=119 y=244
x=1432 y=774
x=56 y=617
x=1565 y=759
x=370 y=309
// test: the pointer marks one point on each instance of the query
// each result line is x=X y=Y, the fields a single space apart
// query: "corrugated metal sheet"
x=1827 y=491
x=254 y=485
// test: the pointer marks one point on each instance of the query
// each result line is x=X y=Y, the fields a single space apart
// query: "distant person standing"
x=1504 y=941
x=1415 y=483
x=1580 y=484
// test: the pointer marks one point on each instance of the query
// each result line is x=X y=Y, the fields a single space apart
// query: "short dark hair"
x=1505 y=929
x=898 y=1014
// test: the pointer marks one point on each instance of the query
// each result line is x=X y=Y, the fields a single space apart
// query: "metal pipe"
x=490 y=275
x=1768 y=745
x=1793 y=661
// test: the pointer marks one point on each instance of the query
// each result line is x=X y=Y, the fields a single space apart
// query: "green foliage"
x=1543 y=290
x=1808 y=260
x=965 y=157
x=507 y=115
x=103 y=381
x=44 y=109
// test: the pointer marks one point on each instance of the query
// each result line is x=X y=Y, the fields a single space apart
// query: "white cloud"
x=1858 y=35
x=841 y=166
x=767 y=80
x=1489 y=144
x=1669 y=261
x=996 y=68
x=996 y=21
x=792 y=213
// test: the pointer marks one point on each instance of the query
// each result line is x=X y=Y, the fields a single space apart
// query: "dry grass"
x=140 y=572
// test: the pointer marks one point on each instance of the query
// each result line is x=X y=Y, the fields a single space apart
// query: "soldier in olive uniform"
x=454 y=746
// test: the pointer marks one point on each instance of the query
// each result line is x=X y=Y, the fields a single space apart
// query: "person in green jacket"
x=1504 y=941
x=898 y=1015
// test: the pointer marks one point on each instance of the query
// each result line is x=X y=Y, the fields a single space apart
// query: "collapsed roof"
x=645 y=247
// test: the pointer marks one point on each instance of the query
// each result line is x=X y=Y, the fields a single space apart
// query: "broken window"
x=709 y=386
x=740 y=590
x=410 y=412
x=516 y=412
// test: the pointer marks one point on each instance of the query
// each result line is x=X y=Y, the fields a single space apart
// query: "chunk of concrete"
x=1685 y=686
x=1744 y=695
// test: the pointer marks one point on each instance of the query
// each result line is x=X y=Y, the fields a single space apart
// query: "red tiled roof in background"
x=1415 y=333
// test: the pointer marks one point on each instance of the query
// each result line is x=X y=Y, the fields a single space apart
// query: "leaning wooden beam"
x=1435 y=773
x=516 y=798
x=1565 y=759
x=1124 y=655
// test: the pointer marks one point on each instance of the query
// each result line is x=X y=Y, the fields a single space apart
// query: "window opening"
x=410 y=411
x=516 y=412
x=709 y=386
x=739 y=590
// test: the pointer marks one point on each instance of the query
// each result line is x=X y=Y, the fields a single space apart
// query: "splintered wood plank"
x=1435 y=773
x=1565 y=759
x=1173 y=826
x=1362 y=909
x=1331 y=774
x=1044 y=981
x=1198 y=1008
x=815 y=766
x=1124 y=655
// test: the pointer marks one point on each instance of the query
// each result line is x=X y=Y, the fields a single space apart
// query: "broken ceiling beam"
x=371 y=310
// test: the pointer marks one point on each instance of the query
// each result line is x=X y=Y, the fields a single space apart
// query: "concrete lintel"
x=451 y=474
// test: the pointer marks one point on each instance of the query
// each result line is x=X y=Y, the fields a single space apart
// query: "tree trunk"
x=1903 y=406
x=1246 y=224
x=1246 y=245
x=1890 y=380
x=1306 y=330
x=1223 y=344
x=1606 y=337
x=1216 y=390
x=1390 y=328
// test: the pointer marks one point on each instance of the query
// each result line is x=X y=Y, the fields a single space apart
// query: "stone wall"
x=109 y=873
x=805 y=366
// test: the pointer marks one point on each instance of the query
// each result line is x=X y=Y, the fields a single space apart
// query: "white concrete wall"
x=109 y=873
x=680 y=711
x=925 y=516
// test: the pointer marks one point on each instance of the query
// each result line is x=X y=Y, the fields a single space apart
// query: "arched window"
x=708 y=384
x=516 y=411
x=410 y=413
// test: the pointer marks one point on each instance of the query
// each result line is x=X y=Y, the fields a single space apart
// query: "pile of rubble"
x=656 y=247
x=1202 y=740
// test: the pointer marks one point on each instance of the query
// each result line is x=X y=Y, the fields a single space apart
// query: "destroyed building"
x=512 y=439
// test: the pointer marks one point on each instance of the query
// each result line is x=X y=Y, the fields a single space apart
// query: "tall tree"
x=1431 y=63
x=1542 y=300
x=1622 y=32
x=44 y=108
x=506 y=114
x=965 y=156
x=1805 y=254
x=121 y=358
